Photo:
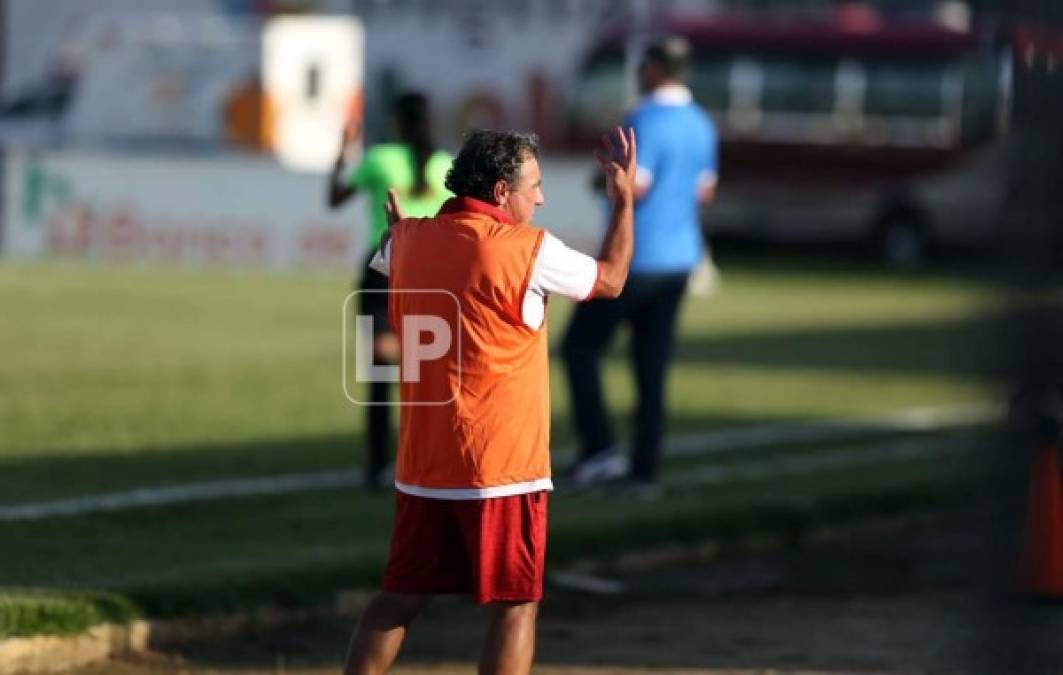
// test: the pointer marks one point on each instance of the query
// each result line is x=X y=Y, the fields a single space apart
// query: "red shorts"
x=493 y=549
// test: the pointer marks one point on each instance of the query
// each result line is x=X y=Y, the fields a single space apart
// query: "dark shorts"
x=374 y=303
x=492 y=549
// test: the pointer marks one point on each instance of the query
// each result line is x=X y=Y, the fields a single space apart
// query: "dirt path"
x=889 y=601
x=743 y=633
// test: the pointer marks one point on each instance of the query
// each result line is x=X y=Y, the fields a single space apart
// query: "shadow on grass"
x=60 y=476
x=297 y=550
x=964 y=348
x=848 y=260
x=283 y=550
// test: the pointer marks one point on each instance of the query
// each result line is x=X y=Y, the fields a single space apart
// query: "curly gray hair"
x=487 y=157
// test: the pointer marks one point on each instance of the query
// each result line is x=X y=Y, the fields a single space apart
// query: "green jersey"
x=391 y=165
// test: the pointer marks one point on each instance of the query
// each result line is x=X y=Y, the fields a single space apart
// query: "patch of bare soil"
x=890 y=599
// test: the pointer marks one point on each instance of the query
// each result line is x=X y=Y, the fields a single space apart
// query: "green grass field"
x=122 y=378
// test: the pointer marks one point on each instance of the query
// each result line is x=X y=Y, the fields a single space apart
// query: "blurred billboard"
x=231 y=211
x=312 y=72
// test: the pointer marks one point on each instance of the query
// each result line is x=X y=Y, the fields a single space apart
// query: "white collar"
x=671 y=94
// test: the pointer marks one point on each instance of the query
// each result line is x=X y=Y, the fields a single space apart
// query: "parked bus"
x=884 y=133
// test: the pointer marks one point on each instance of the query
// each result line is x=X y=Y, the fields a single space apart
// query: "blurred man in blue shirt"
x=677 y=169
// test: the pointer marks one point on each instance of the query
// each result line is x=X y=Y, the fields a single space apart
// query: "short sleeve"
x=560 y=270
x=712 y=150
x=381 y=261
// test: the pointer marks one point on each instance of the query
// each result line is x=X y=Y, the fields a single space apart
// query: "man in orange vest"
x=473 y=469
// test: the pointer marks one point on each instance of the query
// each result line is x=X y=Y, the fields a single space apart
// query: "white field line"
x=705 y=443
x=878 y=453
x=182 y=493
x=588 y=583
x=913 y=420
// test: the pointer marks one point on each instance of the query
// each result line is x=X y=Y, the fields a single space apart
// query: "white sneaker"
x=704 y=280
x=601 y=467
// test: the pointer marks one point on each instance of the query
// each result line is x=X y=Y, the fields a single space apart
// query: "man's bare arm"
x=339 y=188
x=618 y=163
x=393 y=211
x=381 y=261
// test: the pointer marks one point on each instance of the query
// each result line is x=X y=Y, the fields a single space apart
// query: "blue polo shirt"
x=677 y=152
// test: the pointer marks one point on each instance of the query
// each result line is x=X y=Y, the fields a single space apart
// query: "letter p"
x=414 y=351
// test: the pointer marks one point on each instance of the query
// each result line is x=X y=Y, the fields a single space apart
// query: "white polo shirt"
x=558 y=270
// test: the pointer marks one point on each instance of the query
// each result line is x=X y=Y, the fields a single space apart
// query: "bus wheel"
x=903 y=241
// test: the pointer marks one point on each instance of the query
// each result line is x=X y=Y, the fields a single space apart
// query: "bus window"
x=600 y=98
x=797 y=84
x=744 y=115
x=905 y=88
x=981 y=98
x=710 y=80
x=850 y=87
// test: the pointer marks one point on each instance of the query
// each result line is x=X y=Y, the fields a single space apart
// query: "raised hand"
x=348 y=143
x=352 y=130
x=618 y=161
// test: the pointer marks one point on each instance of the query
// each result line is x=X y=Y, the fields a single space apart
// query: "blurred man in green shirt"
x=416 y=169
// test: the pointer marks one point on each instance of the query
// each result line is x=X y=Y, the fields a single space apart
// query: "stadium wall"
x=215 y=211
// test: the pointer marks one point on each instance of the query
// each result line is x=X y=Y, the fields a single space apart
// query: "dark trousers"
x=378 y=417
x=650 y=303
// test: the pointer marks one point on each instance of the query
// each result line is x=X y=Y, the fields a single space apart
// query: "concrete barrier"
x=55 y=654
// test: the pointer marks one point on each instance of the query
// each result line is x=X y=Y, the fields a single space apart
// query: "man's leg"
x=375 y=642
x=373 y=302
x=589 y=332
x=653 y=335
x=378 y=416
x=510 y=645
